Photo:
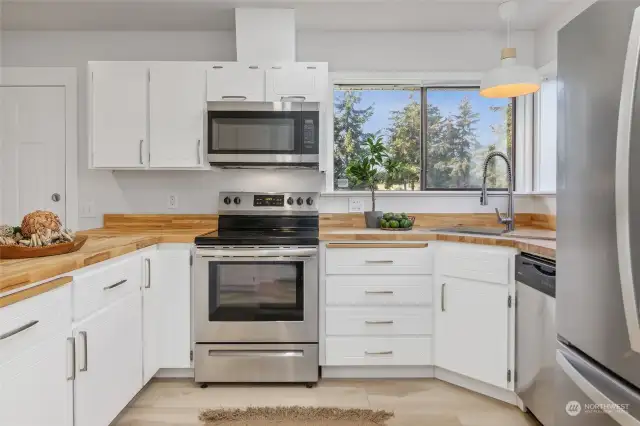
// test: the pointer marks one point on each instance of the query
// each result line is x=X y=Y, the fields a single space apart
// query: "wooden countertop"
x=103 y=244
x=530 y=240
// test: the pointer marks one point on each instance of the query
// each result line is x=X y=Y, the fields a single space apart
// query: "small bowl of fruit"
x=397 y=222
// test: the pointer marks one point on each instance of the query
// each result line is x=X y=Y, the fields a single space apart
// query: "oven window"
x=256 y=291
x=247 y=135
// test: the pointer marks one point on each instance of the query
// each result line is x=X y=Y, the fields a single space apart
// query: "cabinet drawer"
x=475 y=263
x=376 y=290
x=392 y=321
x=103 y=285
x=400 y=260
x=30 y=322
x=378 y=351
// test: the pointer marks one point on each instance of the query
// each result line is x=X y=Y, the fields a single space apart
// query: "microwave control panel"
x=266 y=200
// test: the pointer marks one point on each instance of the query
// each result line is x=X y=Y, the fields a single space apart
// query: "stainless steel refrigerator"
x=598 y=247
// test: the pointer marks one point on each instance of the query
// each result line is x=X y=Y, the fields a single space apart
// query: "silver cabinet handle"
x=148 y=262
x=72 y=342
x=217 y=67
x=300 y=98
x=378 y=322
x=622 y=183
x=379 y=353
x=141 y=142
x=199 y=151
x=85 y=344
x=119 y=283
x=378 y=292
x=18 y=330
x=241 y=98
x=388 y=262
x=442 y=297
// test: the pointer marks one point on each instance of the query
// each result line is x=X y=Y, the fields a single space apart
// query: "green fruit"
x=383 y=224
x=387 y=216
x=404 y=216
x=394 y=224
x=406 y=223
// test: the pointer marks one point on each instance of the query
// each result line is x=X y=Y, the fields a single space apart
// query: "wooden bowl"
x=21 y=252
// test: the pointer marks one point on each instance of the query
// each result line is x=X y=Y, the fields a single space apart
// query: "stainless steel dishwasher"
x=536 y=335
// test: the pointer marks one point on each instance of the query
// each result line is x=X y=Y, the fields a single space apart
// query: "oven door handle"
x=256 y=253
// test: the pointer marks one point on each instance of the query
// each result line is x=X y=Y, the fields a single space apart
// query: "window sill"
x=420 y=194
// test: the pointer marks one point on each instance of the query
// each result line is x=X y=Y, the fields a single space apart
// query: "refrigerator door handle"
x=620 y=416
x=625 y=121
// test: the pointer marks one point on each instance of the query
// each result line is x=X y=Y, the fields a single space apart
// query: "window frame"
x=523 y=130
x=548 y=72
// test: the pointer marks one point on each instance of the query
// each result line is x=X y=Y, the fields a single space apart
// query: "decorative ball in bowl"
x=397 y=222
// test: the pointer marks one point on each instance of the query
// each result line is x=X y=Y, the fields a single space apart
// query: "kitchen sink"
x=472 y=230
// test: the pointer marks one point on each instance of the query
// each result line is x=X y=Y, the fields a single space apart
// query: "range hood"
x=265 y=35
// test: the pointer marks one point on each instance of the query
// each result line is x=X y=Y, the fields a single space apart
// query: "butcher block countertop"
x=102 y=244
x=531 y=240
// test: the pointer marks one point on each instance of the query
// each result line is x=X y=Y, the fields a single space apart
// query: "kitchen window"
x=439 y=136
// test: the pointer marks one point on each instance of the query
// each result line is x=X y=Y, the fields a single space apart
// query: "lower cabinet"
x=35 y=387
x=108 y=361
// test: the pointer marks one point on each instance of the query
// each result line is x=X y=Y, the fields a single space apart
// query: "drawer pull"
x=119 y=283
x=379 y=353
x=378 y=322
x=378 y=292
x=18 y=330
x=379 y=261
x=238 y=97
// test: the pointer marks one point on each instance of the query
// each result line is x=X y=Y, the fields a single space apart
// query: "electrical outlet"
x=88 y=209
x=356 y=205
x=172 y=201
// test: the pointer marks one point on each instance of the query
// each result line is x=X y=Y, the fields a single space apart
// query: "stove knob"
x=227 y=200
x=236 y=200
x=290 y=201
x=309 y=201
x=300 y=201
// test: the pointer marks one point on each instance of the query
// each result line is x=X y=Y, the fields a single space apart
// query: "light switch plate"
x=356 y=205
x=87 y=209
x=172 y=201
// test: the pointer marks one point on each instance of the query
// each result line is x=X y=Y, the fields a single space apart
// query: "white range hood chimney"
x=265 y=35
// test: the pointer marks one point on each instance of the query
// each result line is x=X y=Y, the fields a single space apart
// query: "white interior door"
x=32 y=152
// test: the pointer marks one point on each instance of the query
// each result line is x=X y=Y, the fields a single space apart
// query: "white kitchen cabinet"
x=152 y=309
x=118 y=114
x=472 y=315
x=297 y=81
x=108 y=361
x=235 y=82
x=177 y=104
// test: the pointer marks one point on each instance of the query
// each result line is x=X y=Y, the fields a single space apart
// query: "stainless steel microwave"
x=263 y=134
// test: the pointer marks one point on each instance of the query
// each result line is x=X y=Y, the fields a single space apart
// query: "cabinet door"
x=172 y=268
x=152 y=310
x=177 y=107
x=118 y=114
x=35 y=386
x=108 y=361
x=472 y=319
x=235 y=81
x=303 y=82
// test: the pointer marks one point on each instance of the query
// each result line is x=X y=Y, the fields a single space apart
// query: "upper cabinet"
x=235 y=81
x=299 y=82
x=177 y=107
x=118 y=114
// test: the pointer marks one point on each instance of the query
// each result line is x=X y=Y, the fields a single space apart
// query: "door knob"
x=55 y=197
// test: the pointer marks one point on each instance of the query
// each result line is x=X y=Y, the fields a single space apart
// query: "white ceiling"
x=329 y=15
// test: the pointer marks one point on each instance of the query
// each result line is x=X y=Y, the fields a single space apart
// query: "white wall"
x=146 y=192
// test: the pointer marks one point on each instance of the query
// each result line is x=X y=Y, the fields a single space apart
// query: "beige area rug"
x=293 y=416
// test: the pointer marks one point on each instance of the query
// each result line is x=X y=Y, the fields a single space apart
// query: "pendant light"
x=509 y=79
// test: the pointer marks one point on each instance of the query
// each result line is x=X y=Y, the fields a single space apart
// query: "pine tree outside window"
x=438 y=136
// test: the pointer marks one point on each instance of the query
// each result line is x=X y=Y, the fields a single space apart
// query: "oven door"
x=243 y=133
x=256 y=295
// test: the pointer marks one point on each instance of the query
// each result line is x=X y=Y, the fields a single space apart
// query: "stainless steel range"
x=256 y=291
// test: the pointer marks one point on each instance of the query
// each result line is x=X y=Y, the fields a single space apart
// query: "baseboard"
x=491 y=391
x=384 y=372
x=174 y=373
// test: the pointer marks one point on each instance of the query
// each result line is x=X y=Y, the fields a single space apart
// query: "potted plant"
x=368 y=169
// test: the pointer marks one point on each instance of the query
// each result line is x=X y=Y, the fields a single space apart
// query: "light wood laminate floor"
x=427 y=402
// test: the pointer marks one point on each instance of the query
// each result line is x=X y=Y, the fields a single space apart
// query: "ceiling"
x=327 y=15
